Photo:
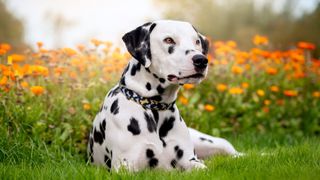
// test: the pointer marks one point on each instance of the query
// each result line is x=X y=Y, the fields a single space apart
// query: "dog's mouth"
x=172 y=77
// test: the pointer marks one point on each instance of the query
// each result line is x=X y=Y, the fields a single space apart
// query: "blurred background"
x=60 y=23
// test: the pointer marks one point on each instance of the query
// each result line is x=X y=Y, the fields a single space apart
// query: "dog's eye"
x=169 y=40
x=197 y=42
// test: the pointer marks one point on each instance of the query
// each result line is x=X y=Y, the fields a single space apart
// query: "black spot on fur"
x=105 y=107
x=107 y=150
x=166 y=126
x=133 y=127
x=156 y=98
x=205 y=139
x=90 y=144
x=107 y=161
x=148 y=86
x=135 y=68
x=176 y=148
x=152 y=27
x=155 y=76
x=148 y=70
x=137 y=42
x=153 y=162
x=179 y=153
x=187 y=52
x=162 y=80
x=180 y=118
x=160 y=89
x=123 y=81
x=103 y=127
x=173 y=163
x=150 y=122
x=179 y=73
x=164 y=144
x=98 y=136
x=114 y=92
x=171 y=49
x=114 y=107
x=172 y=109
x=91 y=158
x=125 y=70
x=204 y=45
x=155 y=115
x=149 y=153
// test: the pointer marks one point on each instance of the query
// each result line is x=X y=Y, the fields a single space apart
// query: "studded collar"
x=145 y=102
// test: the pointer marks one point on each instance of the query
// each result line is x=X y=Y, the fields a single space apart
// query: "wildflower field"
x=263 y=97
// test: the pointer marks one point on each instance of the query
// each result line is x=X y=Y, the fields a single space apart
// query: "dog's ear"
x=138 y=43
x=204 y=42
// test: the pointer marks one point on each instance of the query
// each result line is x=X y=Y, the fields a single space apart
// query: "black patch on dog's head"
x=162 y=80
x=204 y=42
x=138 y=43
x=171 y=49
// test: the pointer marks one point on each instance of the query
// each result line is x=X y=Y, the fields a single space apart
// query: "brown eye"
x=197 y=42
x=169 y=40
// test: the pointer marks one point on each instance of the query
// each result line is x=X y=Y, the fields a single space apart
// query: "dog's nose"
x=200 y=62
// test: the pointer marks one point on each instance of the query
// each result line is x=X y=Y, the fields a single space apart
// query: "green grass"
x=288 y=158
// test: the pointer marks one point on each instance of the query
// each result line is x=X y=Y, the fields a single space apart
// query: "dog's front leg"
x=206 y=146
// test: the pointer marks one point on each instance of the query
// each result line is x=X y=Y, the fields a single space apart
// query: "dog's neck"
x=148 y=84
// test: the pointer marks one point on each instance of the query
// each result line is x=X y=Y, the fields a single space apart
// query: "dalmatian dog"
x=139 y=124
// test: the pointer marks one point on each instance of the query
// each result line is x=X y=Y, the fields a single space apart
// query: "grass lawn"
x=287 y=158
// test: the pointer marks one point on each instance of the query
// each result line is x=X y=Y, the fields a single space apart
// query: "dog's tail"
x=207 y=146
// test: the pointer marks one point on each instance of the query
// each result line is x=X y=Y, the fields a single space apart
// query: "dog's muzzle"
x=200 y=62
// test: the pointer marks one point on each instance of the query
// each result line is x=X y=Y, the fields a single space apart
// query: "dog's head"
x=173 y=50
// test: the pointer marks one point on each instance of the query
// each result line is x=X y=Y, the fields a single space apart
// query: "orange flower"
x=6 y=47
x=235 y=90
x=231 y=44
x=188 y=86
x=271 y=71
x=265 y=109
x=260 y=40
x=306 y=45
x=245 y=85
x=17 y=57
x=274 y=88
x=237 y=70
x=39 y=44
x=96 y=42
x=280 y=102
x=209 y=107
x=24 y=84
x=69 y=51
x=267 y=102
x=260 y=92
x=2 y=52
x=86 y=106
x=316 y=94
x=183 y=100
x=3 y=81
x=221 y=87
x=37 y=90
x=290 y=93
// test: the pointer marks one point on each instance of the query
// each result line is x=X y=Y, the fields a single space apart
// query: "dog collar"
x=146 y=103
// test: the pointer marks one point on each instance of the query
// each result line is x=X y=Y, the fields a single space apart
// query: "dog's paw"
x=197 y=165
